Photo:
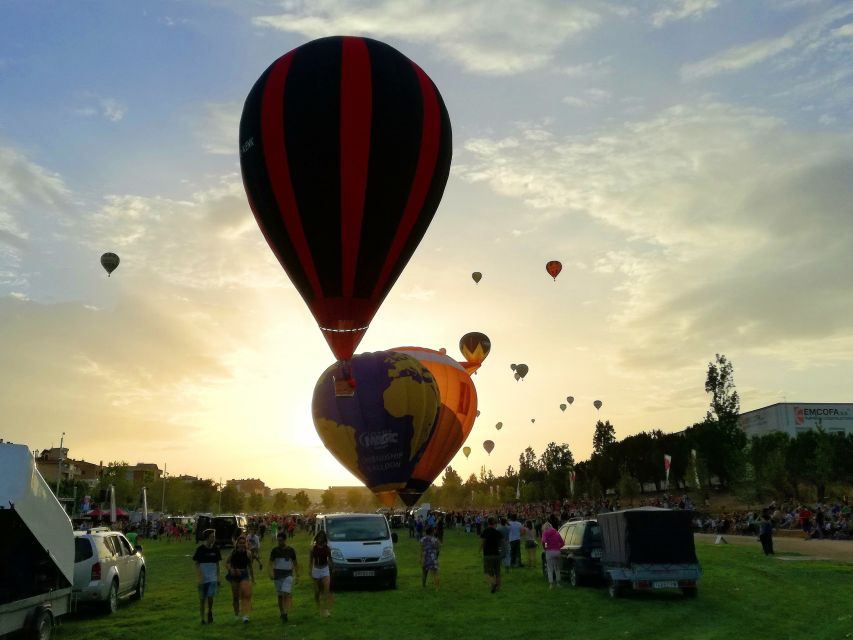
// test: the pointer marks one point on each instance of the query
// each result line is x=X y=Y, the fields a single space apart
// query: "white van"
x=362 y=547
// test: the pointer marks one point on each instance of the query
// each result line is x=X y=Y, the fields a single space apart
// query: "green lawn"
x=742 y=594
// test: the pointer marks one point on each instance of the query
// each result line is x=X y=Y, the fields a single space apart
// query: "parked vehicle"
x=649 y=549
x=37 y=554
x=580 y=556
x=107 y=568
x=226 y=527
x=362 y=547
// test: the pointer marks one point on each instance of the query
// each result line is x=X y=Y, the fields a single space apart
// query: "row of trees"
x=712 y=452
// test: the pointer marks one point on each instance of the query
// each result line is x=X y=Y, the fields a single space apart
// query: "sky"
x=690 y=162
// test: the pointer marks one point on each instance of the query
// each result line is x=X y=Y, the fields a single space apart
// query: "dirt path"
x=838 y=550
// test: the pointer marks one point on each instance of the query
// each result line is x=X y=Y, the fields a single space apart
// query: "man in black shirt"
x=283 y=569
x=491 y=541
x=207 y=559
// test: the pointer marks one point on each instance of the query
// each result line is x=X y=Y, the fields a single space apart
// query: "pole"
x=59 y=467
x=220 y=494
x=163 y=501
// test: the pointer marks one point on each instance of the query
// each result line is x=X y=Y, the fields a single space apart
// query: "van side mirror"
x=394 y=537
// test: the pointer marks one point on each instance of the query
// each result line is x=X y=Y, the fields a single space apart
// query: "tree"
x=256 y=502
x=115 y=473
x=302 y=500
x=720 y=383
x=628 y=486
x=354 y=498
x=232 y=499
x=280 y=502
x=328 y=498
x=604 y=436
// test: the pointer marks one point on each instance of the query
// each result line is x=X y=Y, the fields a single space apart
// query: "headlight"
x=388 y=553
x=338 y=555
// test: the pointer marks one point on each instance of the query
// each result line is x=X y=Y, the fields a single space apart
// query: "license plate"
x=665 y=584
x=595 y=553
x=363 y=574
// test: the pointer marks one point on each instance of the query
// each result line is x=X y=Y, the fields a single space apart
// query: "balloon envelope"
x=522 y=370
x=466 y=451
x=553 y=267
x=597 y=404
x=453 y=423
x=345 y=149
x=477 y=276
x=475 y=346
x=109 y=261
x=517 y=377
x=499 y=425
x=489 y=446
x=563 y=407
x=532 y=419
x=570 y=399
x=380 y=432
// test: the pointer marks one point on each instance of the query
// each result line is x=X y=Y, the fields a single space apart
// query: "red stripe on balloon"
x=356 y=113
x=430 y=141
x=278 y=168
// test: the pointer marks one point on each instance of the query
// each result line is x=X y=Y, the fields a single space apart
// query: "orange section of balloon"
x=453 y=423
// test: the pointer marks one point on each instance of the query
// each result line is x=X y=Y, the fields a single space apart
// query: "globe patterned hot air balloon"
x=489 y=446
x=466 y=451
x=553 y=267
x=109 y=261
x=499 y=425
x=380 y=432
x=453 y=423
x=597 y=404
x=345 y=149
x=477 y=276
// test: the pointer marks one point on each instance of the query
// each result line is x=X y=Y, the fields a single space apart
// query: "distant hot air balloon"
x=512 y=367
x=380 y=432
x=477 y=276
x=570 y=399
x=478 y=413
x=109 y=261
x=563 y=407
x=489 y=446
x=532 y=419
x=517 y=377
x=499 y=425
x=475 y=346
x=521 y=370
x=597 y=404
x=452 y=425
x=345 y=149
x=467 y=451
x=553 y=268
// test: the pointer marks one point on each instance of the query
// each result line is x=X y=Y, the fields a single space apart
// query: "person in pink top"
x=552 y=542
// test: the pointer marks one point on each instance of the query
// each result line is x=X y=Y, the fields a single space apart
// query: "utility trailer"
x=37 y=553
x=649 y=549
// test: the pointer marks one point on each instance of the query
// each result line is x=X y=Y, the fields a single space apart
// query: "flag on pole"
x=572 y=478
x=518 y=488
x=667 y=461
x=112 y=504
x=144 y=504
x=695 y=467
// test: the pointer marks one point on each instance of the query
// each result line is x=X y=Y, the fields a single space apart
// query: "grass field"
x=742 y=594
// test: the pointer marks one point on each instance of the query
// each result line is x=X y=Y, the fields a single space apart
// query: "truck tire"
x=42 y=625
x=140 y=586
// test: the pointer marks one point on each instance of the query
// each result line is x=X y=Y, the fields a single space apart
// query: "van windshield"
x=357 y=529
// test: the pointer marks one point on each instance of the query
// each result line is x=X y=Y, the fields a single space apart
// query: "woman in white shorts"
x=321 y=556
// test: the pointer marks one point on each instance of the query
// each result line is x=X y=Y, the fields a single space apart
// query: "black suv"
x=226 y=527
x=580 y=557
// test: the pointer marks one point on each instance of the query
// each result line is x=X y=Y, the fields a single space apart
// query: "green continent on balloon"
x=396 y=396
x=340 y=440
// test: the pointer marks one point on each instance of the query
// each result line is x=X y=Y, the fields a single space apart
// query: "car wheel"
x=574 y=578
x=140 y=586
x=111 y=603
x=690 y=592
x=42 y=626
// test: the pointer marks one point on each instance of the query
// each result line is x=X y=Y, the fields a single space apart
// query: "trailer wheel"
x=42 y=625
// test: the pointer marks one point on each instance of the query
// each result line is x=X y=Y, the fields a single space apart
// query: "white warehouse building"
x=795 y=417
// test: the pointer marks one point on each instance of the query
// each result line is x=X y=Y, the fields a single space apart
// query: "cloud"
x=806 y=36
x=600 y=67
x=108 y=108
x=219 y=126
x=674 y=10
x=483 y=36
x=591 y=97
x=112 y=109
x=419 y=294
x=726 y=227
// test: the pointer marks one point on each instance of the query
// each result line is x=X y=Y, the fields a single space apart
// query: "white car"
x=106 y=568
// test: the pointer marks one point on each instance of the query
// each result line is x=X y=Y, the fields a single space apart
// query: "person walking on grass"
x=321 y=557
x=284 y=571
x=241 y=577
x=430 y=546
x=766 y=534
x=491 y=544
x=207 y=558
x=552 y=542
x=528 y=535
x=254 y=541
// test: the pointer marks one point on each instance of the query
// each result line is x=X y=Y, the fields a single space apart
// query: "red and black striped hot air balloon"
x=345 y=148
